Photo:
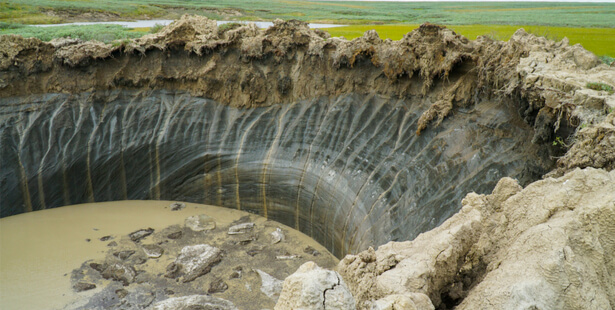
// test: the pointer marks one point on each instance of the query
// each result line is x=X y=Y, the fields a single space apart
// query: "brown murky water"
x=39 y=250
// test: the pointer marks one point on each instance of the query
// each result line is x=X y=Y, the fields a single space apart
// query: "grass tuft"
x=600 y=87
x=607 y=59
x=228 y=26
x=156 y=28
x=546 y=32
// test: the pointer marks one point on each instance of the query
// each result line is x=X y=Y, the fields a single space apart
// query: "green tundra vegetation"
x=601 y=41
x=590 y=24
x=104 y=33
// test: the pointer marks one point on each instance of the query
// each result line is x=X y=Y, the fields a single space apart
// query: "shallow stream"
x=164 y=22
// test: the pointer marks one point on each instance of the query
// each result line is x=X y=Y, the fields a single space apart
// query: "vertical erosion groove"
x=349 y=171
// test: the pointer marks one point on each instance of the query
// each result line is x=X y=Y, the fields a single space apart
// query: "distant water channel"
x=164 y=22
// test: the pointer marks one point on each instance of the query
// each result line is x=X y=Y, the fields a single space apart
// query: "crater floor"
x=48 y=258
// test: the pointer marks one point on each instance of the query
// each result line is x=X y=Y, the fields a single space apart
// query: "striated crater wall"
x=355 y=142
x=348 y=171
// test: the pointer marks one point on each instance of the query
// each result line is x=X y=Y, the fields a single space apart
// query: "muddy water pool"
x=39 y=250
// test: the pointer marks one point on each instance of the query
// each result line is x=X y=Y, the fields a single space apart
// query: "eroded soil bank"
x=248 y=67
x=543 y=83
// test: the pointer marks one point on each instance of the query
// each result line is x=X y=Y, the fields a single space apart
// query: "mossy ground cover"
x=590 y=24
x=563 y=14
x=104 y=33
x=600 y=41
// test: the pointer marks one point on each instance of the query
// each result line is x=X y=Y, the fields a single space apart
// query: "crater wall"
x=350 y=171
x=353 y=142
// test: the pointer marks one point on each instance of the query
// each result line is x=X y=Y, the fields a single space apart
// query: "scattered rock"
x=236 y=274
x=217 y=286
x=312 y=287
x=140 y=234
x=403 y=302
x=140 y=297
x=169 y=291
x=310 y=250
x=241 y=228
x=243 y=240
x=173 y=270
x=194 y=261
x=193 y=302
x=123 y=283
x=112 y=244
x=270 y=286
x=121 y=293
x=277 y=236
x=123 y=255
x=253 y=251
x=200 y=222
x=105 y=238
x=152 y=250
x=139 y=261
x=83 y=286
x=175 y=235
x=243 y=219
x=287 y=257
x=177 y=206
x=120 y=272
x=88 y=240
x=98 y=267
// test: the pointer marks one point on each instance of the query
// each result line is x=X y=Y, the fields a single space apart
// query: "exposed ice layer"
x=349 y=171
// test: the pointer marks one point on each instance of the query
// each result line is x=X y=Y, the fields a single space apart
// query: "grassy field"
x=590 y=24
x=600 y=41
x=567 y=14
x=104 y=33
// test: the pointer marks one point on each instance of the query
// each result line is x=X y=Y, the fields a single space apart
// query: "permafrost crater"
x=355 y=143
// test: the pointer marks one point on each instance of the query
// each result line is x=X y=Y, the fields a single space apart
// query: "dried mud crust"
x=246 y=67
x=593 y=146
x=540 y=247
